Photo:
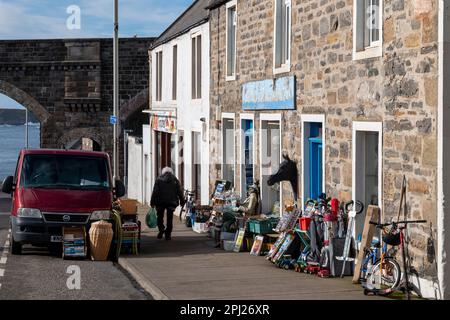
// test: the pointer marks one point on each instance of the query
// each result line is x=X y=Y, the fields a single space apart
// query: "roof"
x=195 y=15
x=216 y=3
x=64 y=152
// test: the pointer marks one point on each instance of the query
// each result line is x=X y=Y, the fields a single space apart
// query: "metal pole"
x=26 y=128
x=116 y=88
x=125 y=156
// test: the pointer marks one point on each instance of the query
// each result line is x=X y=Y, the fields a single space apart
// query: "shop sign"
x=164 y=121
x=270 y=94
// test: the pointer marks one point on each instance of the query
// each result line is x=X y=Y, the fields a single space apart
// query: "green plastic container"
x=262 y=226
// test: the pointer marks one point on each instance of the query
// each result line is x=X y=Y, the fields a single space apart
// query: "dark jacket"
x=167 y=192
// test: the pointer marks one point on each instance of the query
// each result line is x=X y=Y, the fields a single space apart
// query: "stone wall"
x=68 y=84
x=399 y=89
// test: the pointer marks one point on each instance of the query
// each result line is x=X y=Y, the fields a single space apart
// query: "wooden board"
x=372 y=214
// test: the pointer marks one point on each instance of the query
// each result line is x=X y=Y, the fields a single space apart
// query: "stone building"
x=179 y=104
x=353 y=92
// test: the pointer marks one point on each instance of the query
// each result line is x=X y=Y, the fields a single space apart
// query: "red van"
x=54 y=188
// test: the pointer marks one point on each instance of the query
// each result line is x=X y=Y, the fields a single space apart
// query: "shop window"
x=174 y=72
x=246 y=154
x=282 y=35
x=228 y=161
x=367 y=29
x=158 y=76
x=197 y=67
x=231 y=40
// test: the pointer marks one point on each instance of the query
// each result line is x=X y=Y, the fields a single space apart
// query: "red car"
x=54 y=188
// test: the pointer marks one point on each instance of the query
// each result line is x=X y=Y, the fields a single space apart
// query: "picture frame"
x=257 y=245
x=239 y=240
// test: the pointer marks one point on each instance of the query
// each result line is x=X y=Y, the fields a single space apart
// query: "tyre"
x=384 y=277
x=16 y=247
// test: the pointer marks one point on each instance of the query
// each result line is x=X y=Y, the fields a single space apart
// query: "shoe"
x=168 y=238
x=160 y=235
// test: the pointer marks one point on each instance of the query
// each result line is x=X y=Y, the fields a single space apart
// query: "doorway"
x=270 y=151
x=247 y=138
x=228 y=149
x=366 y=167
x=164 y=151
x=196 y=164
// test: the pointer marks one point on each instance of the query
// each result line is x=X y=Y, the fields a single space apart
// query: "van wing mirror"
x=119 y=189
x=8 y=185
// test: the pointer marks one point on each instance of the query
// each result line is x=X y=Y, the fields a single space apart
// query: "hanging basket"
x=100 y=237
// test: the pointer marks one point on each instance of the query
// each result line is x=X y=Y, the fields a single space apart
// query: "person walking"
x=167 y=195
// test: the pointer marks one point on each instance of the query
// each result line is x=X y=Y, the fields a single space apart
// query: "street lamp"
x=116 y=90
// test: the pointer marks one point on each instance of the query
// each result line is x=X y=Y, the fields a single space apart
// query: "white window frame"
x=246 y=116
x=312 y=118
x=229 y=116
x=194 y=35
x=160 y=93
x=270 y=117
x=375 y=49
x=232 y=77
x=286 y=66
x=366 y=126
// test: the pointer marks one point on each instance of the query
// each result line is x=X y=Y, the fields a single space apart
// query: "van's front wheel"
x=16 y=247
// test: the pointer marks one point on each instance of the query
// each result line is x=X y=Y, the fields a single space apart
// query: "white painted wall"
x=146 y=156
x=134 y=169
x=188 y=111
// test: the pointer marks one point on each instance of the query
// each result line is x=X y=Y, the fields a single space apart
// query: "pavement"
x=189 y=267
x=37 y=275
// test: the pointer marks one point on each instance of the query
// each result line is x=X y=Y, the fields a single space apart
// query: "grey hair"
x=167 y=169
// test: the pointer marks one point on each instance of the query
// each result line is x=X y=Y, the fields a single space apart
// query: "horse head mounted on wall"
x=286 y=172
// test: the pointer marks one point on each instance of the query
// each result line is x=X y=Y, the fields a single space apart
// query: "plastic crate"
x=262 y=226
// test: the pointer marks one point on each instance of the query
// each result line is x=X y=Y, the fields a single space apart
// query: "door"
x=196 y=164
x=367 y=172
x=315 y=167
x=228 y=150
x=246 y=155
x=270 y=163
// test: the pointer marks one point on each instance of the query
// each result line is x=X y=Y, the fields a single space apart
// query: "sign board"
x=271 y=94
x=112 y=119
x=164 y=121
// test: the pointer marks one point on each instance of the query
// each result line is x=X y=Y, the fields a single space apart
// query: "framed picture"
x=239 y=240
x=257 y=245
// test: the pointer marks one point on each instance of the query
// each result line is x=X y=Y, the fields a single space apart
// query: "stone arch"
x=25 y=100
x=74 y=135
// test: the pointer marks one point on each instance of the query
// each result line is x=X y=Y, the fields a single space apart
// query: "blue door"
x=315 y=167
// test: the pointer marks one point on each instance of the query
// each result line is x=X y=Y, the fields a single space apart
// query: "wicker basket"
x=128 y=206
x=100 y=237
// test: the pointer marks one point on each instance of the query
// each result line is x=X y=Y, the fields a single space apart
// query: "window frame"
x=196 y=66
x=360 y=49
x=230 y=5
x=158 y=74
x=174 y=72
x=285 y=66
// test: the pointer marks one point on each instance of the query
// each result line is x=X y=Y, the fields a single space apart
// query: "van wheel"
x=16 y=247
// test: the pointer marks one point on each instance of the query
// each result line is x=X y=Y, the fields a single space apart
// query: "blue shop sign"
x=271 y=94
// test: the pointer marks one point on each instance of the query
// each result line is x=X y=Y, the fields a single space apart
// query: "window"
x=174 y=72
x=228 y=150
x=231 y=40
x=197 y=67
x=367 y=33
x=158 y=76
x=282 y=35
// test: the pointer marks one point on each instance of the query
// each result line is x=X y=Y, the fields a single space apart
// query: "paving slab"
x=189 y=268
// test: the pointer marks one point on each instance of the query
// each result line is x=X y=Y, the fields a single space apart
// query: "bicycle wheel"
x=384 y=277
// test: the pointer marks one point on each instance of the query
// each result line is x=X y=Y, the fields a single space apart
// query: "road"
x=36 y=275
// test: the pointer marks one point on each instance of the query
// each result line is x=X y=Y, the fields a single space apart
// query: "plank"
x=372 y=214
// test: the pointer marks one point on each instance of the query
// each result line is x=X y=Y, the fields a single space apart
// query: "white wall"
x=134 y=169
x=188 y=111
x=146 y=172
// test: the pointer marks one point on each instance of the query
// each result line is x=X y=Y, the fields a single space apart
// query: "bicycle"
x=188 y=208
x=385 y=276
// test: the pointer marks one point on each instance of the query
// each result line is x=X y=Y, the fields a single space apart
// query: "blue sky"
x=46 y=19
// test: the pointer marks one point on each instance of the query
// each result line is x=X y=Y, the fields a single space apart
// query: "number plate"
x=56 y=238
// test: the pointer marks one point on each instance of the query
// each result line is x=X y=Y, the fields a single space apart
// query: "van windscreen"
x=64 y=172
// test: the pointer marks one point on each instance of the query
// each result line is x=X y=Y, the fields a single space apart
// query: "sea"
x=12 y=140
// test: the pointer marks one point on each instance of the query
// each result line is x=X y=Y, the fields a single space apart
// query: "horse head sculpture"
x=287 y=172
